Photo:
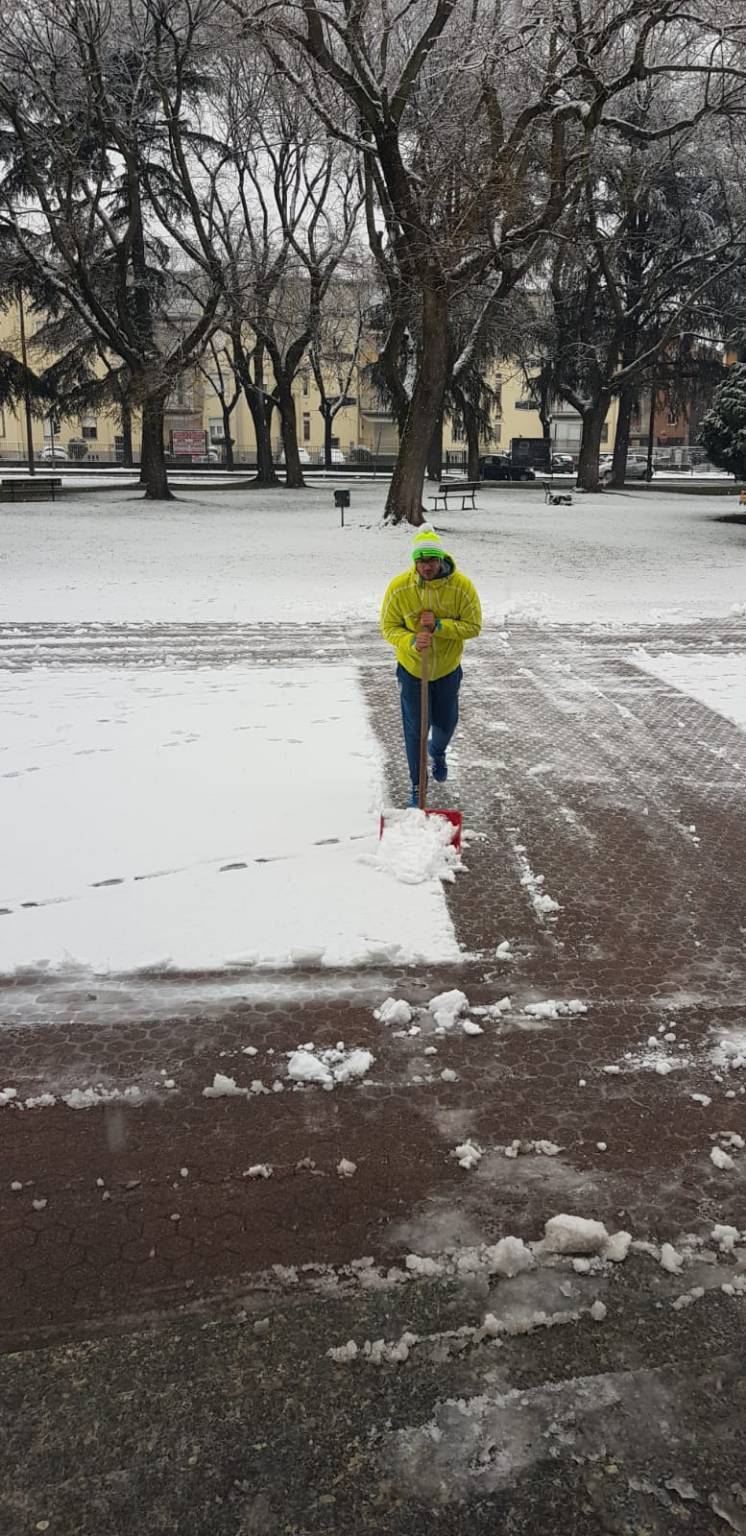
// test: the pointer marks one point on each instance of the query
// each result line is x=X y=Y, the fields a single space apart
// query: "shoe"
x=440 y=767
x=414 y=798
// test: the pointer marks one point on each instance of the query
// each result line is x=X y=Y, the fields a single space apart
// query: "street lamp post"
x=26 y=392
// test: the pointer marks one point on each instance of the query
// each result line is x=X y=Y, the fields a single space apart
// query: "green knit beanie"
x=427 y=544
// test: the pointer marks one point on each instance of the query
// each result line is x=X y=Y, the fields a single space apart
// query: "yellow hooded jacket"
x=454 y=601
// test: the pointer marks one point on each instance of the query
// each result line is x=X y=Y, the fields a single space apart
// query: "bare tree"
x=474 y=126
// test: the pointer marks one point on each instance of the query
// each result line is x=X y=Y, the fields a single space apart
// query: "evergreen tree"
x=723 y=429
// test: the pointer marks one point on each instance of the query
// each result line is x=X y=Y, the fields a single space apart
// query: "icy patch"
x=416 y=848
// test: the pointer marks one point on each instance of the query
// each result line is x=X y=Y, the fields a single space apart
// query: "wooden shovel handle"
x=424 y=725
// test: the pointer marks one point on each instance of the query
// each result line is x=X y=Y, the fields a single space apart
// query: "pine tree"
x=723 y=429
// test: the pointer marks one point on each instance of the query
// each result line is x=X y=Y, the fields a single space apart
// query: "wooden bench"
x=466 y=489
x=555 y=496
x=38 y=488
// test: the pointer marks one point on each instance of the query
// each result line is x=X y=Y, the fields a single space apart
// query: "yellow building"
x=362 y=427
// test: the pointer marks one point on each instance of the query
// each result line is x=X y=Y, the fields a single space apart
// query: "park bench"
x=40 y=488
x=555 y=496
x=466 y=489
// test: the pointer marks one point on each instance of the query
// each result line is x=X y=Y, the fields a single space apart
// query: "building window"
x=672 y=418
x=2 y=423
x=89 y=428
x=305 y=379
x=306 y=427
x=216 y=429
x=605 y=432
x=525 y=405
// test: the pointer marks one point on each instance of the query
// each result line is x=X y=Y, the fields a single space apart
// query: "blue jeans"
x=443 y=714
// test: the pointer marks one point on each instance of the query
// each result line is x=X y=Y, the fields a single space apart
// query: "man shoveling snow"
x=428 y=612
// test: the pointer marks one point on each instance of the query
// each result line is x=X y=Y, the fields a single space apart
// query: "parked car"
x=637 y=468
x=303 y=455
x=499 y=466
x=338 y=456
x=49 y=455
x=563 y=463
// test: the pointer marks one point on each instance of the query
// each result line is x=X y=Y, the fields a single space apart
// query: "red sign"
x=189 y=440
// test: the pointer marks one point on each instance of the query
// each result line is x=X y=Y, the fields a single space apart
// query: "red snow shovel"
x=455 y=817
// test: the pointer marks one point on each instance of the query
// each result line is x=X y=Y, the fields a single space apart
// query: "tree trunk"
x=253 y=389
x=435 y=456
x=227 y=439
x=153 y=472
x=590 y=446
x=472 y=442
x=289 y=428
x=328 y=424
x=404 y=501
x=125 y=421
x=621 y=441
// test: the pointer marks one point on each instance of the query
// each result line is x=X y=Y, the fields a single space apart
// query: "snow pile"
x=517 y=1147
x=394 y=1011
x=423 y=1268
x=492 y=1010
x=416 y=848
x=726 y=1237
x=552 y=1009
x=328 y=1067
x=670 y=1260
x=468 y=1154
x=223 y=1087
x=88 y=1098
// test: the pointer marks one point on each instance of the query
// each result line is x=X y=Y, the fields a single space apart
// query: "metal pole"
x=26 y=393
x=651 y=430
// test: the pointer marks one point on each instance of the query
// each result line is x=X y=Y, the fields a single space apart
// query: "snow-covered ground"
x=252 y=556
x=719 y=682
x=201 y=819
x=189 y=817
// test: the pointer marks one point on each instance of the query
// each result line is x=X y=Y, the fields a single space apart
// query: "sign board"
x=530 y=452
x=189 y=440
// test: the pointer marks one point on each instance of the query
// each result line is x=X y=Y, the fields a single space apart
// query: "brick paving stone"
x=572 y=764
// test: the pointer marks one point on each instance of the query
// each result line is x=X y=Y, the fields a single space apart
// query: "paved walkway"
x=582 y=779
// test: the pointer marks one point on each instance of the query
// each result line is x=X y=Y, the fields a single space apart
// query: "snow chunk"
x=617 y=1247
x=448 y=1075
x=509 y=1257
x=40 y=1205
x=551 y=1009
x=223 y=1087
x=7 y=1095
x=355 y=1065
x=343 y=1353
x=504 y=951
x=346 y=1169
x=701 y=1098
x=447 y=1007
x=394 y=1011
x=468 y=1154
x=670 y=1260
x=598 y=1311
x=574 y=1234
x=42 y=1101
x=258 y=1171
x=470 y=1027
x=721 y=1159
x=426 y=1269
x=303 y=1067
x=726 y=1237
